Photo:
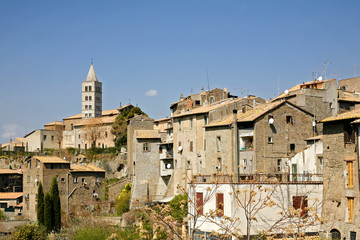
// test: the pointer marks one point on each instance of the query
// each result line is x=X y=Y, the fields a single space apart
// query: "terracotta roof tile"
x=10 y=171
x=10 y=195
x=51 y=159
x=347 y=115
x=150 y=134
x=85 y=168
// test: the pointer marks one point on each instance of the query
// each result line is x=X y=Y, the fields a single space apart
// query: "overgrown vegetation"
x=119 y=128
x=29 y=232
x=123 y=201
x=2 y=215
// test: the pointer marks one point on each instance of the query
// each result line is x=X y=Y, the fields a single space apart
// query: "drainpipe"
x=67 y=194
x=236 y=146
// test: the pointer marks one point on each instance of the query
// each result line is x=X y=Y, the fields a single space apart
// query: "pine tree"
x=55 y=197
x=48 y=213
x=40 y=205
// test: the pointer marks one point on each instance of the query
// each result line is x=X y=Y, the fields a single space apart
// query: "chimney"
x=181 y=97
x=10 y=140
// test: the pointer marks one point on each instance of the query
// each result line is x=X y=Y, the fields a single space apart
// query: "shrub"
x=29 y=232
x=93 y=233
x=71 y=150
x=2 y=215
x=179 y=207
x=123 y=201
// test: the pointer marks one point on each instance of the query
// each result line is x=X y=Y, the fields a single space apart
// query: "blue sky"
x=165 y=46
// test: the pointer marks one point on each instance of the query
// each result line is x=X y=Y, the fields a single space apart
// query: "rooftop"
x=343 y=116
x=50 y=159
x=10 y=171
x=85 y=168
x=147 y=134
x=10 y=195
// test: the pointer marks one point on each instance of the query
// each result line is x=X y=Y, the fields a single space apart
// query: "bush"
x=71 y=150
x=2 y=215
x=123 y=201
x=29 y=232
x=179 y=207
x=93 y=233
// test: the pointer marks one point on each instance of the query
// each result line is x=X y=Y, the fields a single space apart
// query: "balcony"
x=166 y=167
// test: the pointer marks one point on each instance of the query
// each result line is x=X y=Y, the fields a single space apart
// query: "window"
x=179 y=125
x=75 y=180
x=191 y=146
x=205 y=120
x=106 y=134
x=63 y=180
x=212 y=99
x=204 y=144
x=44 y=137
x=300 y=202
x=270 y=140
x=220 y=204
x=89 y=106
x=86 y=98
x=245 y=163
x=199 y=203
x=289 y=120
x=350 y=176
x=191 y=123
x=89 y=88
x=3 y=205
x=320 y=165
x=292 y=147
x=188 y=165
x=52 y=138
x=351 y=209
x=89 y=98
x=28 y=178
x=243 y=110
x=219 y=165
x=146 y=147
x=86 y=88
x=86 y=106
x=29 y=164
x=279 y=165
x=197 y=102
x=218 y=144
x=89 y=114
x=349 y=134
x=85 y=146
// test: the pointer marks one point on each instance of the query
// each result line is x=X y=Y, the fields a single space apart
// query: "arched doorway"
x=335 y=234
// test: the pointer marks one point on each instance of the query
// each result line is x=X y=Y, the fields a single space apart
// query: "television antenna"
x=325 y=66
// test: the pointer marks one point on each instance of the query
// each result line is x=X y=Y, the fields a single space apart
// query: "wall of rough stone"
x=336 y=191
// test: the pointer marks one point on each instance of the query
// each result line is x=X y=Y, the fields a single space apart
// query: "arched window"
x=335 y=234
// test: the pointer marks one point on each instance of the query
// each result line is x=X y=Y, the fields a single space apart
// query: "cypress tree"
x=40 y=205
x=48 y=213
x=55 y=197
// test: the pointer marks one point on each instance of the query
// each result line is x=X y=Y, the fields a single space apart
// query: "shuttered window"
x=350 y=174
x=199 y=203
x=351 y=209
x=300 y=202
x=220 y=204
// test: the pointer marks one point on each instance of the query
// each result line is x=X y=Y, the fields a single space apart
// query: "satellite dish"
x=271 y=121
x=36 y=180
x=180 y=148
x=168 y=166
x=286 y=92
x=320 y=78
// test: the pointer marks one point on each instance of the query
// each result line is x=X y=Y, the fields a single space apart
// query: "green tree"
x=123 y=200
x=40 y=205
x=179 y=207
x=48 y=213
x=55 y=198
x=119 y=128
x=28 y=232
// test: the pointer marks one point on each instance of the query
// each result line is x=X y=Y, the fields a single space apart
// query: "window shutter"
x=220 y=204
x=199 y=203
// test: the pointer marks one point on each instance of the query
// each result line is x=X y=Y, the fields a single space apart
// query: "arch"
x=335 y=234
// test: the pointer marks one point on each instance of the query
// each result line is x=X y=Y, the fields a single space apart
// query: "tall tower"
x=91 y=95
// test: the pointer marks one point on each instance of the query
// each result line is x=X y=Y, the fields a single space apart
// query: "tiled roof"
x=51 y=159
x=249 y=116
x=10 y=195
x=104 y=113
x=349 y=97
x=205 y=109
x=96 y=121
x=162 y=119
x=315 y=138
x=10 y=171
x=54 y=123
x=347 y=115
x=150 y=134
x=85 y=168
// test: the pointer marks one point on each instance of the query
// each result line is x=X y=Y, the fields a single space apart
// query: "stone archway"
x=335 y=234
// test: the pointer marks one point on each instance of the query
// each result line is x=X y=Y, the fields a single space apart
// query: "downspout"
x=67 y=193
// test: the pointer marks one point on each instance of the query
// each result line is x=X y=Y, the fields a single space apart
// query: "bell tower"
x=91 y=95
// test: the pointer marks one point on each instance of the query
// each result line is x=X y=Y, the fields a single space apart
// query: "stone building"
x=11 y=204
x=317 y=97
x=11 y=180
x=91 y=95
x=341 y=178
x=266 y=138
x=78 y=184
x=18 y=145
